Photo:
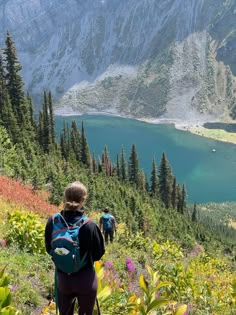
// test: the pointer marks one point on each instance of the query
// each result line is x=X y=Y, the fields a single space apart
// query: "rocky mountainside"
x=173 y=59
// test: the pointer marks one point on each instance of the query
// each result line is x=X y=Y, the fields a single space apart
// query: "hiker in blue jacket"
x=108 y=224
x=79 y=283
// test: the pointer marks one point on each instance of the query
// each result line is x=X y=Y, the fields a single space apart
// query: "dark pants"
x=81 y=286
x=109 y=234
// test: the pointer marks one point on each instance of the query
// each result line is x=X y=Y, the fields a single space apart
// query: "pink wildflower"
x=129 y=264
x=108 y=265
x=128 y=260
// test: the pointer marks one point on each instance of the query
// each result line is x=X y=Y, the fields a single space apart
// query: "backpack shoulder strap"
x=82 y=221
x=57 y=219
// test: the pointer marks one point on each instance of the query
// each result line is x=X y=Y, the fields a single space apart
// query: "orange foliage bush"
x=24 y=196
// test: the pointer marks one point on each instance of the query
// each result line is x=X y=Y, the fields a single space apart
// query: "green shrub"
x=26 y=231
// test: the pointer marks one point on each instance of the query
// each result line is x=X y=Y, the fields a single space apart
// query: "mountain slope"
x=137 y=58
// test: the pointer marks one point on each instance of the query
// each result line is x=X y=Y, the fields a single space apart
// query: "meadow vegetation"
x=165 y=260
x=139 y=274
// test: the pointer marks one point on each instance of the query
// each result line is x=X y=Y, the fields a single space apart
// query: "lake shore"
x=194 y=127
x=198 y=129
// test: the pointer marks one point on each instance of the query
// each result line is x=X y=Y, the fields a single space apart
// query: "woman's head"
x=75 y=194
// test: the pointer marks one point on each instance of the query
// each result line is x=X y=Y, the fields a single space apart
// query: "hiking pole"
x=98 y=308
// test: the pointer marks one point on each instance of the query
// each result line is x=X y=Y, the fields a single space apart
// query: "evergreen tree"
x=100 y=169
x=165 y=181
x=123 y=166
x=51 y=119
x=147 y=183
x=118 y=166
x=106 y=163
x=14 y=83
x=7 y=117
x=85 y=154
x=194 y=213
x=133 y=166
x=173 y=194
x=183 y=199
x=64 y=142
x=9 y=159
x=179 y=198
x=94 y=164
x=154 y=187
x=40 y=129
x=31 y=111
x=75 y=139
x=111 y=169
x=46 y=126
x=141 y=181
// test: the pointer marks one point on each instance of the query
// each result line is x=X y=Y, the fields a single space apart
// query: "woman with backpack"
x=74 y=242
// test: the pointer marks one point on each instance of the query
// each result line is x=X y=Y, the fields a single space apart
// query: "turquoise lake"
x=209 y=176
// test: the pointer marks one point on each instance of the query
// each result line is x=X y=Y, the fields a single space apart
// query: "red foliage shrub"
x=24 y=196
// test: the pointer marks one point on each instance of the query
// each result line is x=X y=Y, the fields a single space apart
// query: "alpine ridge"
x=172 y=59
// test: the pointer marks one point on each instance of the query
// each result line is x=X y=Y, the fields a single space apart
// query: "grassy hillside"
x=188 y=275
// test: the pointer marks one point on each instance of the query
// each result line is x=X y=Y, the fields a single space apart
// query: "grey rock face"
x=141 y=58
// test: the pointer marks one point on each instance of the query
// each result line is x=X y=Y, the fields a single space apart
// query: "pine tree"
x=14 y=83
x=123 y=166
x=183 y=199
x=141 y=181
x=31 y=111
x=173 y=194
x=165 y=181
x=64 y=141
x=118 y=166
x=194 y=213
x=9 y=159
x=147 y=183
x=46 y=126
x=179 y=198
x=40 y=129
x=51 y=119
x=75 y=139
x=133 y=166
x=94 y=165
x=106 y=163
x=154 y=187
x=85 y=154
x=7 y=117
x=100 y=169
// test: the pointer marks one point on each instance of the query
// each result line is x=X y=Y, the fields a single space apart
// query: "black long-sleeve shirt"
x=90 y=237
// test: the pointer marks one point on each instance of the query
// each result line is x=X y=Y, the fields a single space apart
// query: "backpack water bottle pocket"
x=66 y=262
x=61 y=251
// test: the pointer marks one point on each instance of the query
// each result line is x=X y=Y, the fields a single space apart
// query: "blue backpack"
x=65 y=244
x=107 y=222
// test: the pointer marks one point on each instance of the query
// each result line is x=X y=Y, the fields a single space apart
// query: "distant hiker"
x=74 y=242
x=108 y=224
